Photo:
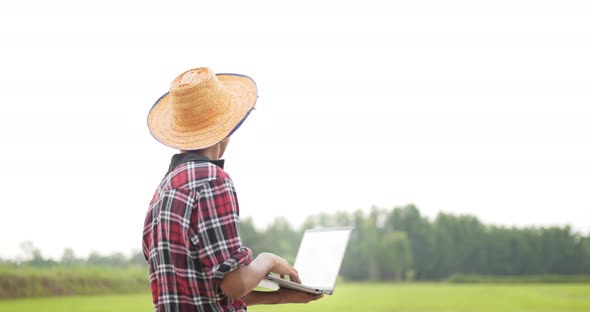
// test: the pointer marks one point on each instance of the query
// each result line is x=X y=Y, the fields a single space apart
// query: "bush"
x=18 y=282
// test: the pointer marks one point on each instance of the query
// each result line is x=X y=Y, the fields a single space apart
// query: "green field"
x=416 y=297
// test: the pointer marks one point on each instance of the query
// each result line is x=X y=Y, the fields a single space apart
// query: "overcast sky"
x=465 y=107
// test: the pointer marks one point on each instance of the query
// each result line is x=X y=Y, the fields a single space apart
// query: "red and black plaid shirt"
x=191 y=237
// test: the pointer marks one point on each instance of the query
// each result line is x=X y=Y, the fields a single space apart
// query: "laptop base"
x=279 y=282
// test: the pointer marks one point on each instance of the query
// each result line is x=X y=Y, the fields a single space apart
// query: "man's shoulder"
x=195 y=174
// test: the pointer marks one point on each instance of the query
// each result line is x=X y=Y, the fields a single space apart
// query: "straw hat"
x=201 y=109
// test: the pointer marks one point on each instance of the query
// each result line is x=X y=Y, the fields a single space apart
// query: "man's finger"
x=294 y=276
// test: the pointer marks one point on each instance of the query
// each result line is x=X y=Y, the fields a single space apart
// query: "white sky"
x=467 y=107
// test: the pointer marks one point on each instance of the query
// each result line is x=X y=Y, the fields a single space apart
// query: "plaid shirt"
x=191 y=237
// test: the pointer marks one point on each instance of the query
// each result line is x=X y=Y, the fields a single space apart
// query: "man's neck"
x=212 y=152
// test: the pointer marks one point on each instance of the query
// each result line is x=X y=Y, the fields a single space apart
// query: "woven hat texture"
x=201 y=109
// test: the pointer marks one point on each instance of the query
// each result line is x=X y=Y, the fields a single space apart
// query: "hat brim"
x=243 y=93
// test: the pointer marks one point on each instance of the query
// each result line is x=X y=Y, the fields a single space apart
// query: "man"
x=191 y=232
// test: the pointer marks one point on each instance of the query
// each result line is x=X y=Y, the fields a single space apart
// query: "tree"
x=68 y=257
x=421 y=236
x=33 y=257
x=31 y=252
x=396 y=256
x=372 y=245
x=251 y=238
x=354 y=264
x=282 y=239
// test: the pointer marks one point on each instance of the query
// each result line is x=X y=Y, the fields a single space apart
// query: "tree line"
x=401 y=244
x=32 y=257
x=396 y=244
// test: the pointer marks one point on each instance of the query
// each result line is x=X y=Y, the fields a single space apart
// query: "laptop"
x=318 y=261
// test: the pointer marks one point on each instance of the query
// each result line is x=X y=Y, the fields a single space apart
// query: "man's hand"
x=242 y=280
x=282 y=267
x=293 y=296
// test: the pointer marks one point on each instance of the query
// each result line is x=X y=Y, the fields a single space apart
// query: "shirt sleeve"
x=220 y=247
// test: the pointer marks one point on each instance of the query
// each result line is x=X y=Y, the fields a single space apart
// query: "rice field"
x=416 y=297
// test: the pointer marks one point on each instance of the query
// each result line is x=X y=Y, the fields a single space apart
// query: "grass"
x=449 y=297
x=416 y=297
x=127 y=303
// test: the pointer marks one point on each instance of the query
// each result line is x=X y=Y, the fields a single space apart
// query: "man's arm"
x=261 y=297
x=280 y=296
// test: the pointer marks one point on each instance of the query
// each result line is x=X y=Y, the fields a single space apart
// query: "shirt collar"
x=182 y=158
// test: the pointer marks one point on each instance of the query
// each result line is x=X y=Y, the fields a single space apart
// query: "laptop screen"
x=320 y=256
